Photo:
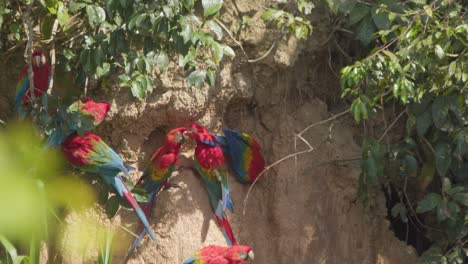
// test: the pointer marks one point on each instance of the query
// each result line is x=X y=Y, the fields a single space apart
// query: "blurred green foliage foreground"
x=35 y=194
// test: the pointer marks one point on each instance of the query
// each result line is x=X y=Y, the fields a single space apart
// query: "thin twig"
x=129 y=231
x=27 y=20
x=266 y=53
x=310 y=149
x=221 y=24
x=325 y=121
x=52 y=56
x=391 y=125
x=242 y=47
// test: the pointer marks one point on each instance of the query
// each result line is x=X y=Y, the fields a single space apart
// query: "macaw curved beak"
x=251 y=255
x=181 y=138
x=188 y=133
x=39 y=61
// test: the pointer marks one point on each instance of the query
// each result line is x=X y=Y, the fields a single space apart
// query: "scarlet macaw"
x=238 y=254
x=41 y=70
x=244 y=154
x=157 y=174
x=210 y=164
x=91 y=154
x=81 y=116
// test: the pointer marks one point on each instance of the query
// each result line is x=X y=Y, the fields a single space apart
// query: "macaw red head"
x=97 y=110
x=76 y=148
x=176 y=135
x=195 y=130
x=38 y=59
x=239 y=254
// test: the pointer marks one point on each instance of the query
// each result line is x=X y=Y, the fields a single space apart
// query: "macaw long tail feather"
x=223 y=223
x=227 y=231
x=227 y=202
x=141 y=230
x=191 y=260
x=127 y=195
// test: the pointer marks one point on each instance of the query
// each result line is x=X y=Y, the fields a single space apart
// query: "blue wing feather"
x=236 y=147
x=21 y=92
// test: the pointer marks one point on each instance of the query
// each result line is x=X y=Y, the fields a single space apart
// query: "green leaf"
x=440 y=111
x=381 y=20
x=305 y=6
x=439 y=51
x=218 y=52
x=424 y=122
x=452 y=67
x=112 y=206
x=10 y=248
x=102 y=196
x=137 y=90
x=410 y=164
x=216 y=29
x=76 y=6
x=196 y=78
x=427 y=174
x=443 y=157
x=96 y=14
x=46 y=26
x=447 y=185
x=162 y=60
x=461 y=198
x=400 y=210
x=52 y=6
x=429 y=202
x=187 y=33
x=102 y=70
x=365 y=29
x=211 y=7
x=211 y=77
x=358 y=13
x=228 y=51
x=455 y=190
x=428 y=10
x=62 y=15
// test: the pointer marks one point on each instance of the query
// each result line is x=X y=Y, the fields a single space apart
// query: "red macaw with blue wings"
x=157 y=174
x=91 y=154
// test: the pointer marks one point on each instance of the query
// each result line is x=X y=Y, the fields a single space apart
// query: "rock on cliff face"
x=301 y=211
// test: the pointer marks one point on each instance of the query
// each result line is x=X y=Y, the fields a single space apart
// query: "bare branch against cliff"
x=300 y=136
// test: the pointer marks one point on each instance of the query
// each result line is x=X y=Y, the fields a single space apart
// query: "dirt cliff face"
x=304 y=209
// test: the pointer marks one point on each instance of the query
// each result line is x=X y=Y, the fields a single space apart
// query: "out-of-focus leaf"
x=429 y=202
x=196 y=78
x=62 y=14
x=112 y=206
x=461 y=198
x=211 y=7
x=162 y=60
x=358 y=13
x=443 y=157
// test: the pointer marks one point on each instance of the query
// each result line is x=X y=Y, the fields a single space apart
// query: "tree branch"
x=27 y=20
x=300 y=136
x=52 y=57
